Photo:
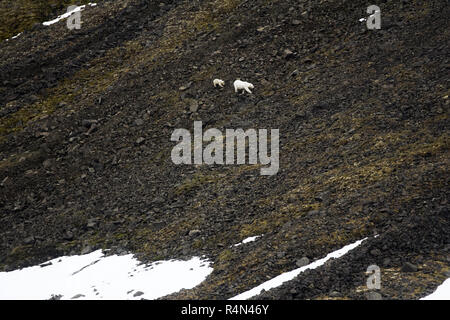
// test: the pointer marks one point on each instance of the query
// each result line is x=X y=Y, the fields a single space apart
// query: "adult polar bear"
x=242 y=85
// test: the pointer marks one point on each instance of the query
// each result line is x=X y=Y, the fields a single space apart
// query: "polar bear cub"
x=242 y=85
x=218 y=82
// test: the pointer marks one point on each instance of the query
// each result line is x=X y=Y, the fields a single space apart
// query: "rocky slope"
x=86 y=118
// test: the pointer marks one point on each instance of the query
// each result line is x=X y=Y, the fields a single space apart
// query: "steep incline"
x=86 y=118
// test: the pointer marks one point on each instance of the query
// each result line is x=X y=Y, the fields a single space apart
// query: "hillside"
x=86 y=118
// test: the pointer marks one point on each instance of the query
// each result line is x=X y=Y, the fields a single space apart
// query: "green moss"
x=197 y=181
x=69 y=91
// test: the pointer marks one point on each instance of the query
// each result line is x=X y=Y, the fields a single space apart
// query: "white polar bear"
x=242 y=85
x=218 y=82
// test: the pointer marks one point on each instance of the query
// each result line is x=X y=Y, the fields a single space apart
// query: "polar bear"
x=242 y=85
x=218 y=82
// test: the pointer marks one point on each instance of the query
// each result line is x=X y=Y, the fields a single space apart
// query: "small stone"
x=335 y=294
x=88 y=123
x=4 y=181
x=287 y=53
x=194 y=233
x=373 y=296
x=29 y=240
x=408 y=267
x=68 y=236
x=86 y=250
x=301 y=114
x=375 y=252
x=139 y=122
x=140 y=140
x=78 y=296
x=46 y=264
x=185 y=87
x=92 y=223
x=322 y=197
x=194 y=106
x=302 y=262
x=295 y=73
x=313 y=213
x=296 y=22
x=47 y=163
x=138 y=293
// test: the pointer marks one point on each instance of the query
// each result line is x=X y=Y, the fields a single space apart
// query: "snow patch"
x=67 y=14
x=14 y=36
x=442 y=292
x=96 y=276
x=279 y=280
x=247 y=240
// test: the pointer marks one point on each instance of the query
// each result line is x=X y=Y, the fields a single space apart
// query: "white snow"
x=247 y=240
x=277 y=281
x=67 y=14
x=96 y=276
x=442 y=292
x=14 y=36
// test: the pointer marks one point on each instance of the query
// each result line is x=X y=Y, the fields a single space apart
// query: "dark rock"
x=375 y=252
x=294 y=73
x=88 y=123
x=409 y=267
x=68 y=236
x=386 y=262
x=29 y=240
x=138 y=294
x=45 y=264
